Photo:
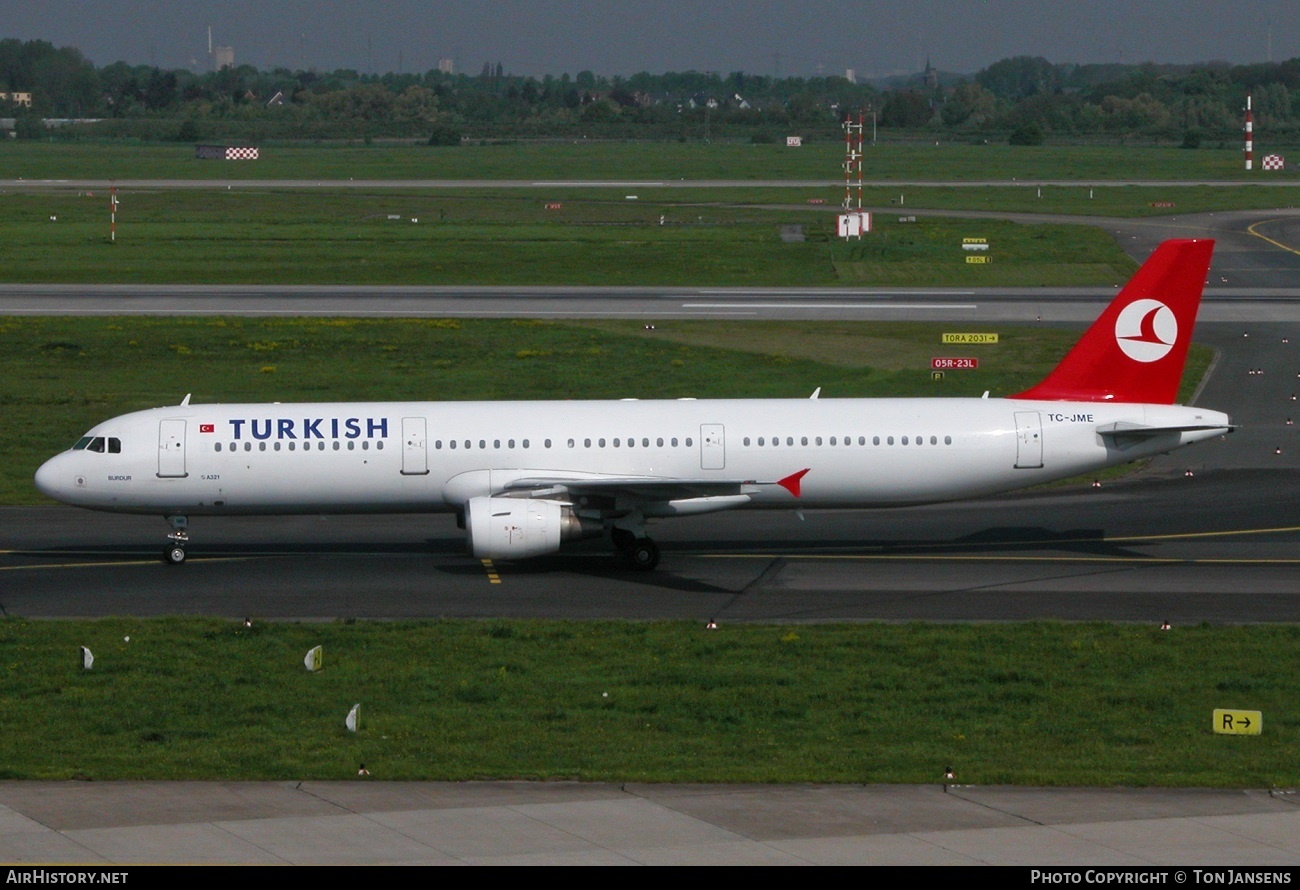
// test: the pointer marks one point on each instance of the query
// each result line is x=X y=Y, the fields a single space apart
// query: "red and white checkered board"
x=241 y=154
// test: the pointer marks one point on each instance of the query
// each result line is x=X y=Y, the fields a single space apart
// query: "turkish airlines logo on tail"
x=1146 y=330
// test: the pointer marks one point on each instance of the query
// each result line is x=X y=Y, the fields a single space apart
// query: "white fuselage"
x=436 y=456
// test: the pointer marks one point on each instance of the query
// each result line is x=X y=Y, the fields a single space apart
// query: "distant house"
x=23 y=99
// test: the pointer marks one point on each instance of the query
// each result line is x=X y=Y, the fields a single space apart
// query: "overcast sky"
x=538 y=37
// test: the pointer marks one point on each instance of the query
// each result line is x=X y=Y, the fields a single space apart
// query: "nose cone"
x=55 y=480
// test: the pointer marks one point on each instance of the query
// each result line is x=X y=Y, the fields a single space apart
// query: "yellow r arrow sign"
x=1238 y=722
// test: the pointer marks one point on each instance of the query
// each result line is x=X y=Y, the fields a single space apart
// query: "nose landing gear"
x=174 y=553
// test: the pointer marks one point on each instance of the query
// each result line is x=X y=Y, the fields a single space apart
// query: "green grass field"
x=511 y=238
x=1038 y=704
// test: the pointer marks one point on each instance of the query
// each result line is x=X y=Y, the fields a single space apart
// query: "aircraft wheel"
x=644 y=554
x=174 y=555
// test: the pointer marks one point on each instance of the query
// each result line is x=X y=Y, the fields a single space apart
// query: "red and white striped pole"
x=859 y=160
x=1250 y=134
x=848 y=162
x=112 y=214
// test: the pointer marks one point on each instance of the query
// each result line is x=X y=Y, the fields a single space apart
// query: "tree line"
x=1027 y=99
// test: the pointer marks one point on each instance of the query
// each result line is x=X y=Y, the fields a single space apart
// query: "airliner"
x=524 y=477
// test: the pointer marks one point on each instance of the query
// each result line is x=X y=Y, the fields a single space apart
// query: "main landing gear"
x=174 y=553
x=641 y=552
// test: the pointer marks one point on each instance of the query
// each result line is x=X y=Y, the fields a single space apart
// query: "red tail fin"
x=1136 y=350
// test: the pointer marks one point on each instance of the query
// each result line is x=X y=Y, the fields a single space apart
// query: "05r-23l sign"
x=954 y=364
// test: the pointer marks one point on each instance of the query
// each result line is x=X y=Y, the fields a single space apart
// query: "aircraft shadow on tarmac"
x=1090 y=542
x=596 y=559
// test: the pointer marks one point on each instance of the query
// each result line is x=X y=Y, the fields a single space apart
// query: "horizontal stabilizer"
x=1128 y=430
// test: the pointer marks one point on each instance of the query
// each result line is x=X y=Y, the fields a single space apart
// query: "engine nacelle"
x=517 y=528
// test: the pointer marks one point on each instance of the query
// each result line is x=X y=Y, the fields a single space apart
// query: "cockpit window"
x=99 y=444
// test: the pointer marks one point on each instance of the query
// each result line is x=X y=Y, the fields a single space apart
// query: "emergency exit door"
x=415 y=453
x=713 y=447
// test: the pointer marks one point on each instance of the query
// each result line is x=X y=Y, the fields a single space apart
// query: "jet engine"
x=517 y=528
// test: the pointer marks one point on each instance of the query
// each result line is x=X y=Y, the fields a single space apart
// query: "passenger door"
x=171 y=449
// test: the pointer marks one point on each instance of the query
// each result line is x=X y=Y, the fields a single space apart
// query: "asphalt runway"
x=653 y=305
x=1221 y=546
